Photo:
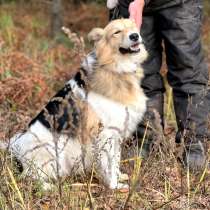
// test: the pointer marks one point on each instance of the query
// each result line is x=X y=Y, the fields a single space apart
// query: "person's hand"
x=111 y=4
x=135 y=10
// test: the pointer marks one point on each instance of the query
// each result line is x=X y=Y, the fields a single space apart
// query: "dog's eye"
x=117 y=32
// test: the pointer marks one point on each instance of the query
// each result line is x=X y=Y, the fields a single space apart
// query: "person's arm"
x=136 y=10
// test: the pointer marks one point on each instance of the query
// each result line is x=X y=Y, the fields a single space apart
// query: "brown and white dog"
x=86 y=122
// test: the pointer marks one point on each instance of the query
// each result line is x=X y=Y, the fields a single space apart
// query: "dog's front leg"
x=108 y=159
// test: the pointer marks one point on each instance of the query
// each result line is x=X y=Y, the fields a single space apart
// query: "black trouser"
x=179 y=28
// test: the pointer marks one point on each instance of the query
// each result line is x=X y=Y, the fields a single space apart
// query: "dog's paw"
x=119 y=186
x=123 y=177
x=122 y=187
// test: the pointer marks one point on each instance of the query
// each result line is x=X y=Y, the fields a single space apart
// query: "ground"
x=33 y=67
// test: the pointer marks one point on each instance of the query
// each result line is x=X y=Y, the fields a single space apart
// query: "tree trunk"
x=56 y=17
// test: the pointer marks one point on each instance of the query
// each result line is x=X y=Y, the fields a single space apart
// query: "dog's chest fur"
x=115 y=115
x=118 y=100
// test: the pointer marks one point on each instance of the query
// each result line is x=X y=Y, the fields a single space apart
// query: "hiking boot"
x=195 y=157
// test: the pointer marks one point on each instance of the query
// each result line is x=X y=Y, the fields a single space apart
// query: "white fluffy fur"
x=123 y=118
x=36 y=148
x=78 y=92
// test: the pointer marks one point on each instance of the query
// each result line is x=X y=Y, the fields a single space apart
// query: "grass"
x=7 y=26
x=167 y=189
x=32 y=68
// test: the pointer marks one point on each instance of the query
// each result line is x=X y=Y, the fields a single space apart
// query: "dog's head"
x=119 y=43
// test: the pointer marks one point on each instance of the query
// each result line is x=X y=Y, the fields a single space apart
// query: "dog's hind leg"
x=108 y=159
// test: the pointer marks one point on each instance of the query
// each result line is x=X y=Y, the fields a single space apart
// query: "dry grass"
x=32 y=68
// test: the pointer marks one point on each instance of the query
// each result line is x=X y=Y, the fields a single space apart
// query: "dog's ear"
x=95 y=34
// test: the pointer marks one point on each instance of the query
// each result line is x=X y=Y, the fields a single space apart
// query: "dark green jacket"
x=150 y=6
x=153 y=4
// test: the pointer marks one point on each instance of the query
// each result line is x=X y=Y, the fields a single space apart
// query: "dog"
x=85 y=123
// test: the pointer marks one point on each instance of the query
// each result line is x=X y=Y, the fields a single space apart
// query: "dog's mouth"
x=134 y=48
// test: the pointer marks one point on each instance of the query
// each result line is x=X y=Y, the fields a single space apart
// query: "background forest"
x=36 y=58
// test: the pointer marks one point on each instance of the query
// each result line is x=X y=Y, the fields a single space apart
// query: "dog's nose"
x=134 y=37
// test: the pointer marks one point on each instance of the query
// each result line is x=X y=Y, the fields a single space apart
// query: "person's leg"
x=152 y=83
x=188 y=76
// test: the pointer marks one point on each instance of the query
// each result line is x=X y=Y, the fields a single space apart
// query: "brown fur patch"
x=122 y=88
x=90 y=123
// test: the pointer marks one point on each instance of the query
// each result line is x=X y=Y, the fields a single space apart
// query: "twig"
x=167 y=202
x=91 y=200
x=79 y=44
x=16 y=187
